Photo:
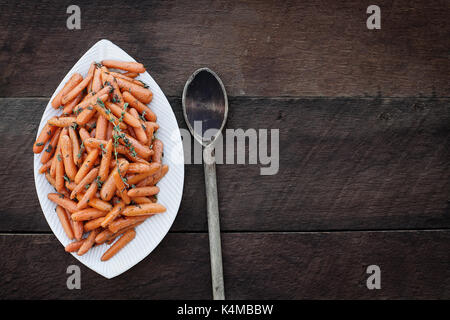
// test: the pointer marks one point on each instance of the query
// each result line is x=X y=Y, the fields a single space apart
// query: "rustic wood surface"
x=364 y=120
x=345 y=164
x=259 y=48
x=291 y=266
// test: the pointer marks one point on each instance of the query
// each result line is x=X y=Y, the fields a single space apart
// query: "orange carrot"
x=63 y=201
x=158 y=150
x=143 y=209
x=51 y=147
x=90 y=193
x=86 y=166
x=79 y=87
x=76 y=154
x=121 y=223
x=113 y=214
x=74 y=246
x=102 y=125
x=119 y=112
x=46 y=134
x=93 y=224
x=87 y=179
x=67 y=155
x=139 y=131
x=68 y=108
x=130 y=74
x=119 y=244
x=143 y=151
x=122 y=65
x=84 y=116
x=61 y=121
x=90 y=240
x=120 y=186
x=63 y=218
x=87 y=214
x=74 y=80
x=142 y=94
x=97 y=80
x=106 y=160
x=100 y=204
x=146 y=112
x=143 y=192
x=46 y=166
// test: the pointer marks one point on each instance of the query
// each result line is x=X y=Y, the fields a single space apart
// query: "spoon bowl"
x=205 y=105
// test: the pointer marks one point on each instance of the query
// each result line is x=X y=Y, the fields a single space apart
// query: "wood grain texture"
x=345 y=164
x=291 y=266
x=259 y=48
x=177 y=269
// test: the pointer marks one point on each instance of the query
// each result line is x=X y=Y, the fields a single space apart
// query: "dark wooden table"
x=364 y=119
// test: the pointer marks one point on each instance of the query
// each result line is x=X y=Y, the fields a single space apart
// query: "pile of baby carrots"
x=102 y=157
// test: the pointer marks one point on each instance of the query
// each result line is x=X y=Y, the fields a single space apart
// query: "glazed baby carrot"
x=74 y=80
x=122 y=231
x=102 y=125
x=119 y=244
x=101 y=108
x=142 y=151
x=142 y=94
x=87 y=214
x=87 y=179
x=122 y=65
x=116 y=95
x=143 y=209
x=124 y=77
x=103 y=236
x=141 y=200
x=67 y=155
x=74 y=246
x=120 y=186
x=143 y=192
x=130 y=74
x=46 y=134
x=59 y=171
x=76 y=154
x=68 y=108
x=62 y=121
x=158 y=151
x=63 y=218
x=88 y=243
x=86 y=166
x=90 y=193
x=154 y=167
x=97 y=80
x=139 y=168
x=87 y=113
x=139 y=131
x=46 y=166
x=100 y=205
x=146 y=112
x=95 y=143
x=79 y=87
x=84 y=134
x=78 y=229
x=113 y=214
x=63 y=201
x=51 y=147
x=93 y=224
x=106 y=160
x=122 y=223
x=122 y=114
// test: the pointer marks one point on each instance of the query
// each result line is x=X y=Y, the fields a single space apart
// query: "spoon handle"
x=212 y=205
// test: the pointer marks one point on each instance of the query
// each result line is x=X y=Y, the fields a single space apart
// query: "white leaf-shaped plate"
x=153 y=230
